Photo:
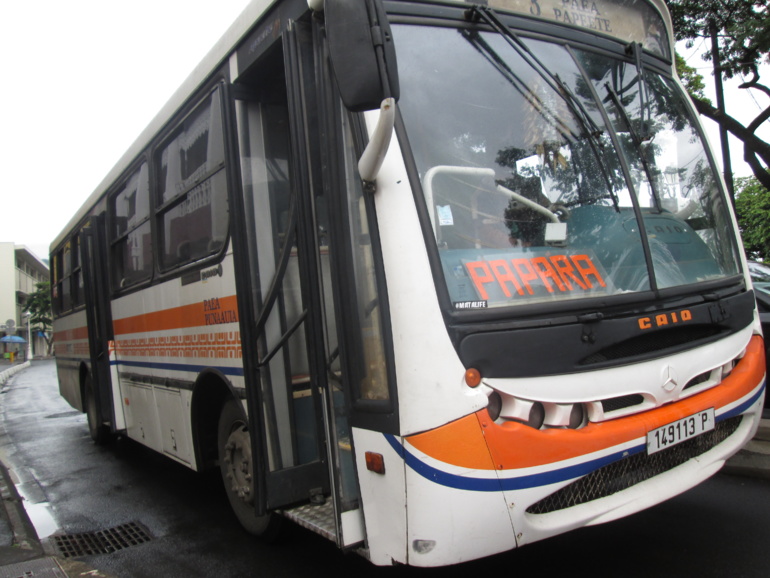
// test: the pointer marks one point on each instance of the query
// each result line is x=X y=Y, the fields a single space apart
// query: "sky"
x=744 y=105
x=82 y=79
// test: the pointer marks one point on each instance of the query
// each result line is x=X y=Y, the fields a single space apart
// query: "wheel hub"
x=238 y=464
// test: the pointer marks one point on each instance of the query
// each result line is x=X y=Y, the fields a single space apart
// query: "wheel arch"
x=210 y=392
x=83 y=372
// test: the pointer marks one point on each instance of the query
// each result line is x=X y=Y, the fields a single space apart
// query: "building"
x=20 y=271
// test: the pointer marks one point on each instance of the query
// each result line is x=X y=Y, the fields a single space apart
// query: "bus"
x=434 y=279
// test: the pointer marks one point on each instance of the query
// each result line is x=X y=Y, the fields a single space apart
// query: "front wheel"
x=236 y=465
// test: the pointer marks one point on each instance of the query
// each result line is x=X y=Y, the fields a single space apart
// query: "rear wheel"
x=96 y=428
x=236 y=465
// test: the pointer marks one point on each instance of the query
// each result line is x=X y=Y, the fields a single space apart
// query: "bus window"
x=192 y=188
x=548 y=203
x=270 y=216
x=78 y=297
x=687 y=220
x=370 y=379
x=66 y=285
x=130 y=232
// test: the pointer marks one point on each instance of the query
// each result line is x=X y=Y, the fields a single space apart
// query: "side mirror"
x=362 y=53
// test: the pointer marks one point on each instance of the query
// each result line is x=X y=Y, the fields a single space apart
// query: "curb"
x=6 y=375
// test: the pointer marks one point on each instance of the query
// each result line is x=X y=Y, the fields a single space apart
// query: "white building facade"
x=20 y=272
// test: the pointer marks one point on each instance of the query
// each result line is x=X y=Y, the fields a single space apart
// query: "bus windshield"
x=557 y=173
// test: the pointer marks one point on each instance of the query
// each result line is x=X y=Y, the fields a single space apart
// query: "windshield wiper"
x=489 y=17
x=638 y=142
x=518 y=84
x=635 y=49
x=594 y=132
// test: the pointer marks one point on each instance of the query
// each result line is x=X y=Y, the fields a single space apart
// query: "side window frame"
x=122 y=234
x=205 y=186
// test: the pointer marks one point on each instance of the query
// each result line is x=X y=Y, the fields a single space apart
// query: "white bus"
x=525 y=313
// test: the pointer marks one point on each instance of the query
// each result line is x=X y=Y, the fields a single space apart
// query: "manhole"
x=102 y=541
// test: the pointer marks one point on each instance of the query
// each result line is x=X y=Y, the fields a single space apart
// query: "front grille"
x=628 y=472
x=622 y=402
x=697 y=380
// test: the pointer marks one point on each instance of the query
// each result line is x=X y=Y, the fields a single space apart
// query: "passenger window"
x=192 y=188
x=131 y=239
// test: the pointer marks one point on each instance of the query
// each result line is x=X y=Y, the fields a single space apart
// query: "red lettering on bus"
x=526 y=272
x=478 y=279
x=545 y=271
x=526 y=275
x=663 y=319
x=566 y=271
x=504 y=274
x=586 y=268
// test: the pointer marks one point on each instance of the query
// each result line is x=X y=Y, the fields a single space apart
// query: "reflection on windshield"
x=531 y=196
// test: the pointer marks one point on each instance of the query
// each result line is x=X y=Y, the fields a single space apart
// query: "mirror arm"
x=374 y=154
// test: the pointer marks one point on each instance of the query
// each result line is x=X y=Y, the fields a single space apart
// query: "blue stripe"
x=534 y=480
x=504 y=484
x=745 y=405
x=494 y=484
x=238 y=371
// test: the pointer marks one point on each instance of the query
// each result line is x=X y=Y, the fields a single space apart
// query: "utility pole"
x=726 y=162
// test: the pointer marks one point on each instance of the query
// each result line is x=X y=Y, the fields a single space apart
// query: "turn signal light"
x=375 y=462
x=472 y=377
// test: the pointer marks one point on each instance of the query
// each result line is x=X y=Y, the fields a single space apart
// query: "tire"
x=96 y=428
x=235 y=464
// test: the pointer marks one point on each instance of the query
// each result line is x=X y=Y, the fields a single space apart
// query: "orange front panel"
x=513 y=445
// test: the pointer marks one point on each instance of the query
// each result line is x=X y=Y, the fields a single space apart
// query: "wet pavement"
x=24 y=553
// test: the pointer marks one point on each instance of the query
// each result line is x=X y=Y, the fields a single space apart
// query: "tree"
x=39 y=305
x=743 y=30
x=752 y=207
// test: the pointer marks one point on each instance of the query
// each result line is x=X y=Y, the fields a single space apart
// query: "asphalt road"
x=70 y=486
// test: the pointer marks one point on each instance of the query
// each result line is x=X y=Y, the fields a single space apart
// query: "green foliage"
x=39 y=304
x=693 y=82
x=743 y=27
x=752 y=205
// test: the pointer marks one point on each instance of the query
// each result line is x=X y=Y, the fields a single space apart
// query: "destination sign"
x=501 y=278
x=627 y=20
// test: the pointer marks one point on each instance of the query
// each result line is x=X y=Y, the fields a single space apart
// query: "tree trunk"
x=755 y=150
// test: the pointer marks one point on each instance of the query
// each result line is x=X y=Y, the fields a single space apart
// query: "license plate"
x=680 y=431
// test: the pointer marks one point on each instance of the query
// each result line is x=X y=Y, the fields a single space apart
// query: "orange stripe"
x=513 y=445
x=194 y=315
x=71 y=334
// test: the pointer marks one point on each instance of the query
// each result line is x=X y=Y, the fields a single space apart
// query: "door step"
x=318 y=518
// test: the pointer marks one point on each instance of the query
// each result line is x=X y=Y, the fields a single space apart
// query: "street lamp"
x=28 y=315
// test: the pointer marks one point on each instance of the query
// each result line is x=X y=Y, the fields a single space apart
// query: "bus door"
x=300 y=411
x=98 y=391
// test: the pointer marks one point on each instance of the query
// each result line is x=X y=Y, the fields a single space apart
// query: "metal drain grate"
x=102 y=541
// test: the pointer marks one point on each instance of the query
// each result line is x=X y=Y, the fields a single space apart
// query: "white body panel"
x=162 y=346
x=420 y=338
